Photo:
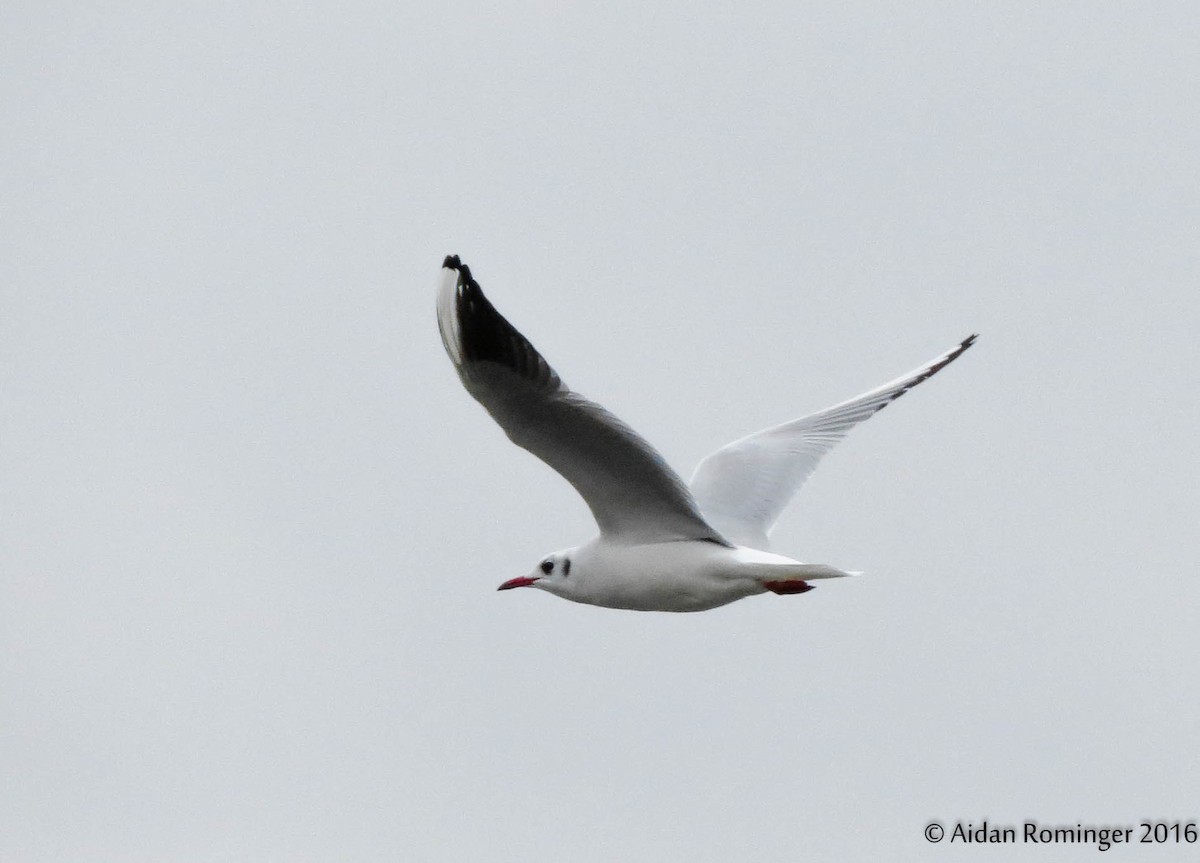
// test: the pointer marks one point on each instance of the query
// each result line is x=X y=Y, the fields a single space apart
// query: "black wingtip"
x=933 y=369
x=949 y=358
x=484 y=335
x=453 y=262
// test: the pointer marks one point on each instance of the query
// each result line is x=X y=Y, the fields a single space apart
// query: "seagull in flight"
x=663 y=545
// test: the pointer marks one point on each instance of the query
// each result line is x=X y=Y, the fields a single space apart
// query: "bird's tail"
x=795 y=577
x=810 y=571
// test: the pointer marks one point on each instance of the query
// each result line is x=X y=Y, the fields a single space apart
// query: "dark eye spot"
x=547 y=566
x=567 y=566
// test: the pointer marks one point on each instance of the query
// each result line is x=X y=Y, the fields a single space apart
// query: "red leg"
x=785 y=587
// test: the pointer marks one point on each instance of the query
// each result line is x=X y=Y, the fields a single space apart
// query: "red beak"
x=523 y=581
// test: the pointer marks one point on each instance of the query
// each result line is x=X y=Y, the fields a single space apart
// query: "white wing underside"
x=743 y=487
x=633 y=494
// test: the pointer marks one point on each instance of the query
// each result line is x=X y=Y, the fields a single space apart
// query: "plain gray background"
x=251 y=525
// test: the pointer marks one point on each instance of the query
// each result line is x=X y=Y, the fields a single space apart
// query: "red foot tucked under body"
x=782 y=587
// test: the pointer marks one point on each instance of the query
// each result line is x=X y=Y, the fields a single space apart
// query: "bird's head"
x=552 y=574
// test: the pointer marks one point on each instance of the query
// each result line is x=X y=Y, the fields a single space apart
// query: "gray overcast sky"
x=251 y=525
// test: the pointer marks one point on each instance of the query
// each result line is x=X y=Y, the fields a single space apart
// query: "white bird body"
x=662 y=546
x=687 y=575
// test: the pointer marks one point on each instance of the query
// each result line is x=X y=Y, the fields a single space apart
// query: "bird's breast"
x=674 y=576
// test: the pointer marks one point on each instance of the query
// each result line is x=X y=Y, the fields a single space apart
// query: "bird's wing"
x=632 y=492
x=744 y=486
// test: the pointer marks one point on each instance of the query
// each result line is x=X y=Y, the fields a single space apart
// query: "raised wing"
x=632 y=492
x=744 y=486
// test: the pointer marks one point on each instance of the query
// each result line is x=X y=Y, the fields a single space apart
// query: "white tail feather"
x=811 y=571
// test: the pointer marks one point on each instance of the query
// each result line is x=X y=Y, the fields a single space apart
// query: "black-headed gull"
x=662 y=546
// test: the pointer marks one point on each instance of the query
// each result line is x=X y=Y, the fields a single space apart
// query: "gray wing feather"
x=632 y=492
